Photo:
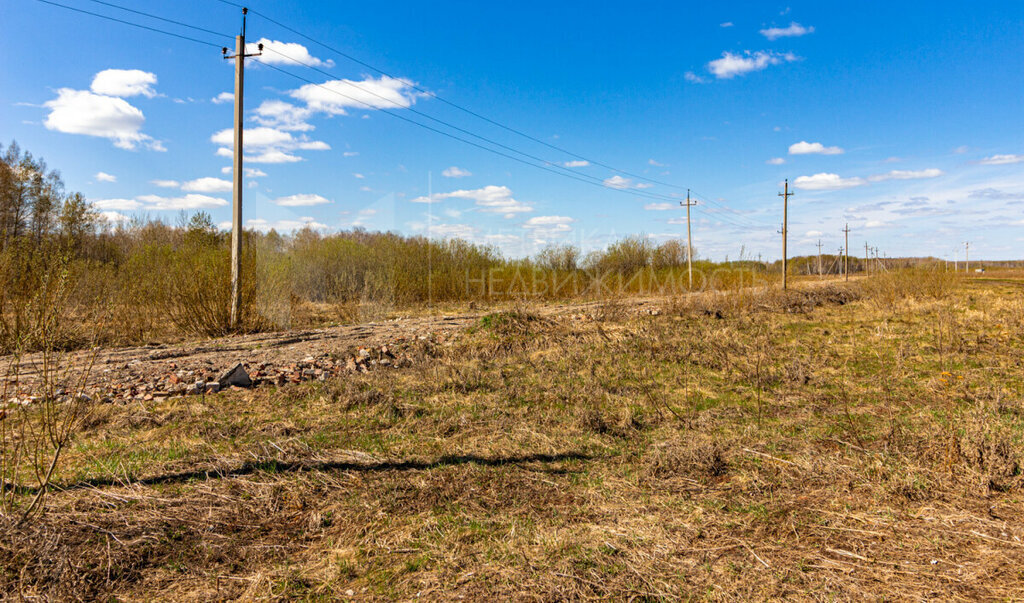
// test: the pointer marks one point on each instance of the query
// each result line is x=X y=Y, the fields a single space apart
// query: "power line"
x=580 y=177
x=455 y=105
x=566 y=173
x=123 y=22
x=457 y=128
x=164 y=19
x=463 y=140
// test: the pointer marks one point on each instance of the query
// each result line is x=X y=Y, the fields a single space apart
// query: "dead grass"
x=612 y=457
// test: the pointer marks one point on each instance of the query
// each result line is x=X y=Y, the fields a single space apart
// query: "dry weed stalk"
x=36 y=425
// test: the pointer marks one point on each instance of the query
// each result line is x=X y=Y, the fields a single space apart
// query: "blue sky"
x=903 y=119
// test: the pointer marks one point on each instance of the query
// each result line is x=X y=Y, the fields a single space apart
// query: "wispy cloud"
x=794 y=30
x=456 y=172
x=494 y=199
x=1001 y=159
x=301 y=200
x=827 y=182
x=618 y=182
x=733 y=64
x=105 y=177
x=810 y=148
x=190 y=201
x=906 y=175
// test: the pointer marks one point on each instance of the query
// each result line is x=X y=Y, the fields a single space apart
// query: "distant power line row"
x=724 y=214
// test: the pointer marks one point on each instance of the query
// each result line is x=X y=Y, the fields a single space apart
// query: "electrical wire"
x=470 y=111
x=645 y=194
x=164 y=19
x=544 y=164
x=457 y=106
x=567 y=173
x=122 y=21
x=454 y=137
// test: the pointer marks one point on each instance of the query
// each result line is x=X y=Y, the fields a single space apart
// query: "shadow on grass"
x=274 y=466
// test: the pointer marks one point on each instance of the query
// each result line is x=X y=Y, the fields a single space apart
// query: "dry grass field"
x=839 y=442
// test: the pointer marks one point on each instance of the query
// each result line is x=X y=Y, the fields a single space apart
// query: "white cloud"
x=907 y=175
x=776 y=161
x=659 y=206
x=358 y=176
x=546 y=227
x=223 y=97
x=1002 y=159
x=335 y=96
x=812 y=148
x=113 y=216
x=189 y=201
x=456 y=172
x=165 y=183
x=826 y=182
x=655 y=163
x=495 y=199
x=693 y=77
x=206 y=185
x=576 y=163
x=124 y=82
x=618 y=182
x=278 y=114
x=271 y=145
x=540 y=221
x=350 y=154
x=272 y=156
x=731 y=64
x=122 y=204
x=793 y=31
x=813 y=233
x=301 y=200
x=273 y=51
x=726 y=24
x=105 y=177
x=461 y=231
x=284 y=225
x=876 y=224
x=248 y=172
x=82 y=112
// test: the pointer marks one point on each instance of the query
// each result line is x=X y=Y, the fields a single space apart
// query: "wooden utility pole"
x=785 y=226
x=689 y=240
x=236 y=195
x=866 y=256
x=967 y=256
x=819 y=258
x=846 y=260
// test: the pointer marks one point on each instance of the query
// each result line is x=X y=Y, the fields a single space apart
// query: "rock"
x=236 y=376
x=212 y=387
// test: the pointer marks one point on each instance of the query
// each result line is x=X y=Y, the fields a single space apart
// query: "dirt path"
x=164 y=370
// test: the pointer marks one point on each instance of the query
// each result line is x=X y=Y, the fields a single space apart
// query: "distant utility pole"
x=846 y=260
x=689 y=240
x=967 y=256
x=867 y=257
x=785 y=227
x=236 y=196
x=819 y=258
